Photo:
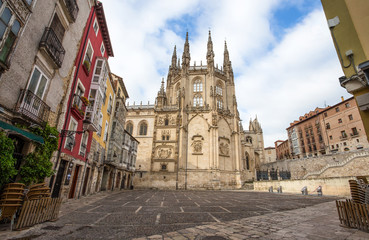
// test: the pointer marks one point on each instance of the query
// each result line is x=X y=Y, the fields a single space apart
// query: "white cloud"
x=277 y=80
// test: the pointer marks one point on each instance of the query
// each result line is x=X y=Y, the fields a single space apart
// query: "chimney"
x=342 y=98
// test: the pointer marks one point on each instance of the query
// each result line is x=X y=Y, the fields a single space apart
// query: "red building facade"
x=72 y=177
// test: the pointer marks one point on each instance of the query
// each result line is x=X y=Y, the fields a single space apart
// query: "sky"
x=282 y=54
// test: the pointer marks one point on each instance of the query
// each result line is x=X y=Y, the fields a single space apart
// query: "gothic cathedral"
x=192 y=137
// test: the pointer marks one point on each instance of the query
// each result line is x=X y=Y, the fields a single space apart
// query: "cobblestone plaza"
x=194 y=215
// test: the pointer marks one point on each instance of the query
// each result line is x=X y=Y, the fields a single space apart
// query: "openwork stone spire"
x=186 y=58
x=210 y=53
x=174 y=57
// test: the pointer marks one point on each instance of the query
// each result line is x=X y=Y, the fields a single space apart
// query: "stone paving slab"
x=207 y=215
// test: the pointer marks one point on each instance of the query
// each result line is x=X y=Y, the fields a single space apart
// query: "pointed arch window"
x=220 y=103
x=143 y=128
x=197 y=101
x=219 y=89
x=197 y=86
x=129 y=128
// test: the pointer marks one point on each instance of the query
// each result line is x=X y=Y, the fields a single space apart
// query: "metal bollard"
x=271 y=189
x=304 y=191
x=279 y=189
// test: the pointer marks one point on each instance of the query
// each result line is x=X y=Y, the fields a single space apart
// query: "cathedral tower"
x=195 y=140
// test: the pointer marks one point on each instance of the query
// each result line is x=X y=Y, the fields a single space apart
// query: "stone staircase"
x=339 y=164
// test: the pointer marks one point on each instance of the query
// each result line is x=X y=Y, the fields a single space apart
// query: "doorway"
x=86 y=181
x=74 y=182
x=59 y=179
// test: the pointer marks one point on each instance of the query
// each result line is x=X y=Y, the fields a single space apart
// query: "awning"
x=10 y=128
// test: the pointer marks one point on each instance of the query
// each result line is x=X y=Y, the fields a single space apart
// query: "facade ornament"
x=224 y=149
x=164 y=153
x=197 y=146
x=215 y=120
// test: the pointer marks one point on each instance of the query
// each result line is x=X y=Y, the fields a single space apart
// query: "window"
x=129 y=128
x=343 y=134
x=339 y=120
x=100 y=124
x=344 y=143
x=57 y=27
x=337 y=109
x=166 y=122
x=337 y=146
x=88 y=57
x=197 y=101
x=330 y=137
x=327 y=126
x=9 y=30
x=219 y=90
x=332 y=146
x=70 y=140
x=354 y=131
x=325 y=114
x=110 y=104
x=83 y=147
x=163 y=167
x=143 y=128
x=106 y=131
x=197 y=86
x=219 y=103
x=350 y=117
x=96 y=27
x=102 y=49
x=98 y=70
x=347 y=105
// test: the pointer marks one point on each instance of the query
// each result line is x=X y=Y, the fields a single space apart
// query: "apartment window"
x=347 y=105
x=38 y=82
x=88 y=56
x=83 y=147
x=102 y=49
x=197 y=86
x=110 y=104
x=57 y=27
x=325 y=114
x=357 y=140
x=332 y=146
x=344 y=143
x=350 y=117
x=330 y=137
x=337 y=109
x=129 y=128
x=327 y=126
x=96 y=27
x=70 y=140
x=143 y=128
x=9 y=30
x=337 y=146
x=339 y=120
x=100 y=124
x=197 y=101
x=343 y=134
x=354 y=131
x=106 y=131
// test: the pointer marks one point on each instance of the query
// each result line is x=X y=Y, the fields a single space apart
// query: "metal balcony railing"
x=31 y=106
x=53 y=46
x=72 y=8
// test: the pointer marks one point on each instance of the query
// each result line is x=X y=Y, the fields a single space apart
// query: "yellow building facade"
x=347 y=21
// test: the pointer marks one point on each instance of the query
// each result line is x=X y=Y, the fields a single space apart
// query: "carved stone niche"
x=197 y=142
x=224 y=146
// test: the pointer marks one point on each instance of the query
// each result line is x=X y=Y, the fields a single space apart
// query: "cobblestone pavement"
x=206 y=215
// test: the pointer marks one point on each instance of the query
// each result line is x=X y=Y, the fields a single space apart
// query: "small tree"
x=37 y=164
x=7 y=161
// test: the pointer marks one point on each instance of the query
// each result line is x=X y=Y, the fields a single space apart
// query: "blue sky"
x=281 y=51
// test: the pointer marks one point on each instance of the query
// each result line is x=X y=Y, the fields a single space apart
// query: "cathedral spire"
x=226 y=55
x=186 y=58
x=161 y=98
x=210 y=53
x=174 y=57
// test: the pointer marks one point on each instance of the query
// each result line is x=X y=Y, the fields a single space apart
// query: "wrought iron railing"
x=53 y=46
x=31 y=106
x=79 y=105
x=72 y=8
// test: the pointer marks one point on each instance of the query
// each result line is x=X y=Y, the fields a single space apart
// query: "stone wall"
x=353 y=163
x=330 y=186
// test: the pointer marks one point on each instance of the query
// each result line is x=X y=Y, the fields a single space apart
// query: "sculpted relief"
x=197 y=142
x=164 y=152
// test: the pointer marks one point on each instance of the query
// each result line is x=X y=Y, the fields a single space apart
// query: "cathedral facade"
x=192 y=137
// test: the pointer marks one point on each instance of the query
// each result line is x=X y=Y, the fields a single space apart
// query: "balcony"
x=354 y=134
x=32 y=107
x=53 y=47
x=79 y=106
x=71 y=9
